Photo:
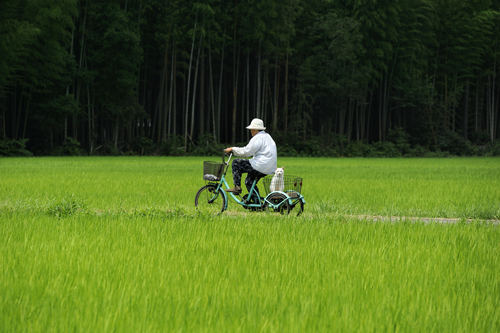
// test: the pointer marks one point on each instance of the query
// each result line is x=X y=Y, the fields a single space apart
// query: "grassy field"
x=455 y=187
x=114 y=244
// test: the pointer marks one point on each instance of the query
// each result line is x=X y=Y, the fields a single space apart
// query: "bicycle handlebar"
x=224 y=157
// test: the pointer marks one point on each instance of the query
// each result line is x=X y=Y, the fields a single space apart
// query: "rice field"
x=457 y=187
x=115 y=244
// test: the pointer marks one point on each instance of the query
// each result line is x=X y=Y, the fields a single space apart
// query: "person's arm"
x=249 y=150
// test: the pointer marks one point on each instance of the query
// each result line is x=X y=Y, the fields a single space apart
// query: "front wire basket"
x=212 y=171
x=288 y=184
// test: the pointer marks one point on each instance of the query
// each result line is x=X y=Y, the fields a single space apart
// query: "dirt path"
x=380 y=218
x=419 y=219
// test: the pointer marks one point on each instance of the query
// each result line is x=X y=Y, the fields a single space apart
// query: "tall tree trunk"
x=195 y=86
x=161 y=100
x=212 y=97
x=3 y=126
x=429 y=108
x=269 y=94
x=454 y=104
x=445 y=128
x=243 y=110
x=189 y=85
x=116 y=133
x=369 y=113
x=89 y=110
x=495 y=129
x=201 y=120
x=380 y=107
x=492 y=109
x=476 y=120
x=259 y=88
x=340 y=117
x=385 y=109
x=466 y=112
x=17 y=121
x=172 y=83
x=235 y=78
x=164 y=86
x=285 y=108
x=155 y=130
x=174 y=106
x=219 y=102
x=350 y=120
x=276 y=89
x=265 y=83
x=235 y=98
x=248 y=94
x=27 y=110
x=67 y=86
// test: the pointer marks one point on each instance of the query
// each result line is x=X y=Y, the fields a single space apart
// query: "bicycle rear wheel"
x=210 y=200
x=277 y=199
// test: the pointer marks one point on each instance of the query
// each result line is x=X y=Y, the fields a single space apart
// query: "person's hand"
x=228 y=150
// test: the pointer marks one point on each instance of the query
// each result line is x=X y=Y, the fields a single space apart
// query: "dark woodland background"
x=178 y=77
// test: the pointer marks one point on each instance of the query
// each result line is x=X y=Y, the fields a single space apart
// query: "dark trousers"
x=241 y=166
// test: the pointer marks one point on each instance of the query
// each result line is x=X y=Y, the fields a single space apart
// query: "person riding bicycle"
x=265 y=157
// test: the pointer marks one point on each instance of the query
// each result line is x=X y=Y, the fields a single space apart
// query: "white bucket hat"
x=256 y=124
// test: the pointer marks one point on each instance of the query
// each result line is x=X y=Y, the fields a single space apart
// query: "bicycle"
x=213 y=199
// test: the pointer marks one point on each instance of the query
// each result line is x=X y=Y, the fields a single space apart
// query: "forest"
x=184 y=77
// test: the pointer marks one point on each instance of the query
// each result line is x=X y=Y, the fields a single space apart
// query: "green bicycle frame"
x=235 y=198
x=223 y=181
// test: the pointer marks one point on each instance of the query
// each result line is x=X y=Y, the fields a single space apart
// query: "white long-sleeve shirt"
x=263 y=150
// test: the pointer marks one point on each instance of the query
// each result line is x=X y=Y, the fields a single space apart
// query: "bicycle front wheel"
x=210 y=200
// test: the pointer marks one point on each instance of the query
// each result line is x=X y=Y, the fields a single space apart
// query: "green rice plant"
x=65 y=207
x=451 y=187
x=189 y=272
x=102 y=244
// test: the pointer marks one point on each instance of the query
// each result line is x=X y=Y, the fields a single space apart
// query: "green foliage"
x=71 y=148
x=116 y=55
x=456 y=145
x=417 y=151
x=53 y=109
x=48 y=60
x=107 y=149
x=398 y=144
x=400 y=139
x=493 y=149
x=105 y=68
x=172 y=146
x=386 y=149
x=359 y=149
x=481 y=138
x=65 y=207
x=16 y=35
x=11 y=147
x=207 y=146
x=331 y=73
x=142 y=145
x=286 y=150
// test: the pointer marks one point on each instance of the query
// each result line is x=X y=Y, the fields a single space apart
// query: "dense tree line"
x=177 y=75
